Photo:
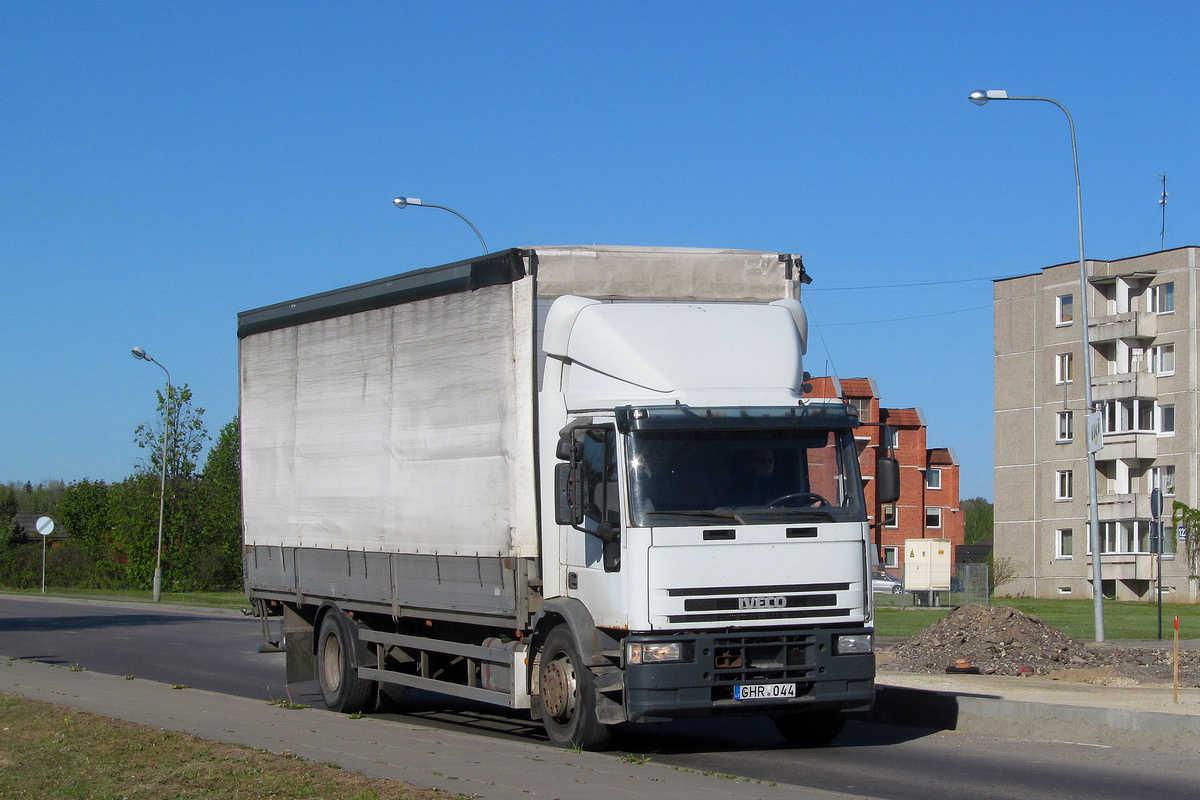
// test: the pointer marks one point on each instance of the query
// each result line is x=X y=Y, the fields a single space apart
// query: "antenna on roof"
x=1162 y=201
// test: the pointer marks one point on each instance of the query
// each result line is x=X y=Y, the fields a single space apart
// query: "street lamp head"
x=401 y=202
x=980 y=98
x=140 y=354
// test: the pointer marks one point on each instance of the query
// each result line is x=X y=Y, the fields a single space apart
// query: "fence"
x=969 y=586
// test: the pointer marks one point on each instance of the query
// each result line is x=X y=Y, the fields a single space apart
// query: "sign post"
x=1156 y=537
x=45 y=526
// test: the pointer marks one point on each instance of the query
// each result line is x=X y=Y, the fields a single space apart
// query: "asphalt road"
x=216 y=650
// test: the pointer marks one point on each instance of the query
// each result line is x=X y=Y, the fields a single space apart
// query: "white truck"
x=585 y=481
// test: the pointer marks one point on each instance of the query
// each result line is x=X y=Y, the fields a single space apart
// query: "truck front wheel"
x=568 y=695
x=341 y=687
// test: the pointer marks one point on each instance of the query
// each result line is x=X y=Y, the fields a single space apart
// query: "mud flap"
x=298 y=644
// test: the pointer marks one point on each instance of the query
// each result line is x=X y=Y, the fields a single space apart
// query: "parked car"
x=882 y=583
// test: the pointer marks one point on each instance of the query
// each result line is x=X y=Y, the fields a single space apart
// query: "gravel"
x=1004 y=641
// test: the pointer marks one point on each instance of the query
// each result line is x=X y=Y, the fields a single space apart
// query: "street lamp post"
x=162 y=494
x=404 y=202
x=980 y=98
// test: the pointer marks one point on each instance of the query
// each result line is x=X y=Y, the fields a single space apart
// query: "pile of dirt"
x=1004 y=641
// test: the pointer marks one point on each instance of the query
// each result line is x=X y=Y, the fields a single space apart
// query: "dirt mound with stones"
x=1004 y=641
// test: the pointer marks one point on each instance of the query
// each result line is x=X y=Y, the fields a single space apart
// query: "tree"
x=217 y=558
x=186 y=440
x=1000 y=571
x=978 y=516
x=1189 y=518
x=83 y=511
x=10 y=534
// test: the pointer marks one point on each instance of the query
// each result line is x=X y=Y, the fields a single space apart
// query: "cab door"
x=592 y=543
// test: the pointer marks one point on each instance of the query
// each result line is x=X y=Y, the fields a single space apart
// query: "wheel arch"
x=360 y=653
x=596 y=646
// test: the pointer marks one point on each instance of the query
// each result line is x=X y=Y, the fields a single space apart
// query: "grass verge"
x=50 y=752
x=1075 y=618
x=233 y=600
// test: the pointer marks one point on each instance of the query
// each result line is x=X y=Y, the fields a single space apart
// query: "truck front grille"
x=768 y=658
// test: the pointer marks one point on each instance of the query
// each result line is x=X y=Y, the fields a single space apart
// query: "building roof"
x=1075 y=262
x=902 y=417
x=942 y=457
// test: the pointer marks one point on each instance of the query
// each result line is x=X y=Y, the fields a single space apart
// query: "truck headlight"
x=853 y=643
x=657 y=652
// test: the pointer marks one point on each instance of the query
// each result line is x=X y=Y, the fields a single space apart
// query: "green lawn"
x=201 y=599
x=1073 y=617
x=57 y=753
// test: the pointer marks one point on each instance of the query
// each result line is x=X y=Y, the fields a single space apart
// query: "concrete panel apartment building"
x=1143 y=331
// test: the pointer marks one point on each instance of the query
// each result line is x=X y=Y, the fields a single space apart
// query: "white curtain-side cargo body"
x=584 y=481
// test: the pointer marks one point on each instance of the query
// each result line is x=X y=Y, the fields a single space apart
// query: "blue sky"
x=166 y=165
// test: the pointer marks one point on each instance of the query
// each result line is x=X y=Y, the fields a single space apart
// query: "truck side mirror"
x=569 y=449
x=566 y=495
x=887 y=480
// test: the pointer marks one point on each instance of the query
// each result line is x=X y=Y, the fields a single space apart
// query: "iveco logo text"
x=779 y=601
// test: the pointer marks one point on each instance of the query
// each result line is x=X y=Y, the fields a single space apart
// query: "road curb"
x=1031 y=720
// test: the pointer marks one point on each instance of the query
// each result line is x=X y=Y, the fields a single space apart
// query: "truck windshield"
x=751 y=477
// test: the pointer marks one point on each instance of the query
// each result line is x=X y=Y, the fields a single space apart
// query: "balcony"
x=1127 y=445
x=1126 y=567
x=1125 y=386
x=1130 y=325
x=1112 y=507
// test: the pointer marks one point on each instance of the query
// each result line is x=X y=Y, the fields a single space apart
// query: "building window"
x=1162 y=298
x=1126 y=536
x=1064 y=485
x=890 y=555
x=863 y=405
x=1163 y=479
x=1063 y=369
x=1066 y=426
x=1064 y=311
x=933 y=518
x=1064 y=543
x=891 y=517
x=1064 y=590
x=894 y=442
x=1166 y=420
x=933 y=478
x=1162 y=359
x=1132 y=416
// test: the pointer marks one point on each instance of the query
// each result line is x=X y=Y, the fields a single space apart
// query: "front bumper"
x=705 y=686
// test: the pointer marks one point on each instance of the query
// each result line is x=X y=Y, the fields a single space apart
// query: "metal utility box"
x=927 y=565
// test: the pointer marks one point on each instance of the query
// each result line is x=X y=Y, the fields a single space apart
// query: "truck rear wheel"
x=815 y=729
x=341 y=687
x=568 y=694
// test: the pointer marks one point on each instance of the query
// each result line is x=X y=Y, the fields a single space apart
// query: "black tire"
x=897 y=589
x=568 y=695
x=341 y=687
x=810 y=730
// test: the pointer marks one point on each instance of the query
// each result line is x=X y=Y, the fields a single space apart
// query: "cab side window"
x=598 y=476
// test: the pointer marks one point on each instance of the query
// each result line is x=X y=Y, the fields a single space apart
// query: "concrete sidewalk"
x=459 y=763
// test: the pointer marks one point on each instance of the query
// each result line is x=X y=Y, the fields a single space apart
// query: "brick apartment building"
x=929 y=476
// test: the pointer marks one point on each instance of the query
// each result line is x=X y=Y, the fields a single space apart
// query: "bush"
x=68 y=566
